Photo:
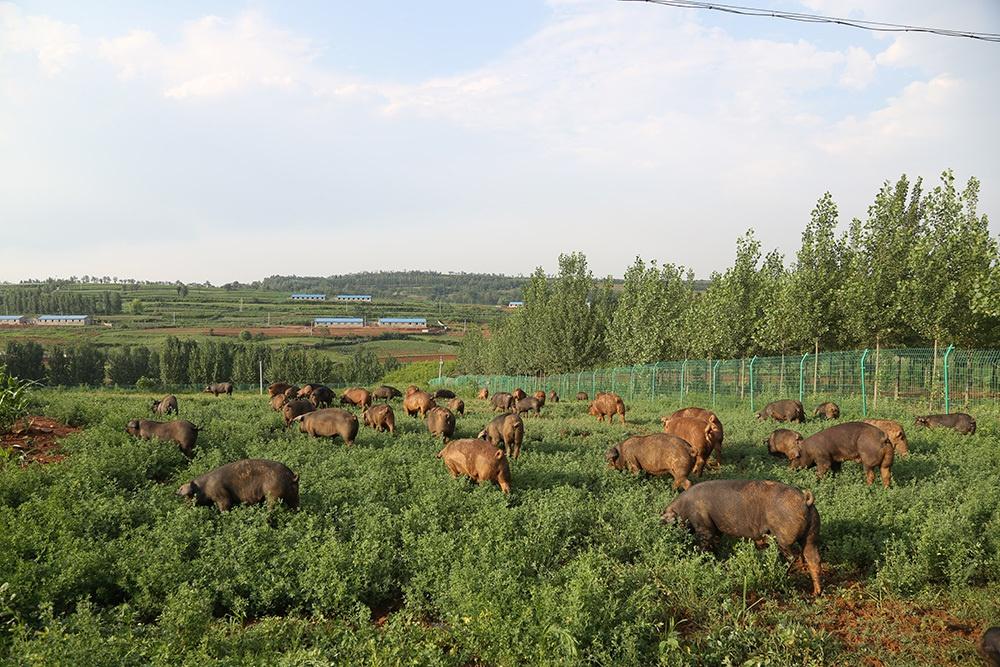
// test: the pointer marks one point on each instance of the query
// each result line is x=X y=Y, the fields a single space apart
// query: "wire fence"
x=944 y=378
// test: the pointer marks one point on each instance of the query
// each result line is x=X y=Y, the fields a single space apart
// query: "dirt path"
x=36 y=440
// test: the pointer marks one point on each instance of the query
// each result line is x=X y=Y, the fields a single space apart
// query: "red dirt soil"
x=36 y=440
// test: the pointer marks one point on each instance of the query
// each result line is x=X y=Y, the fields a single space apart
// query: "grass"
x=390 y=561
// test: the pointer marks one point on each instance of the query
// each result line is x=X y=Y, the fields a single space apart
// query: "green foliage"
x=14 y=399
x=24 y=360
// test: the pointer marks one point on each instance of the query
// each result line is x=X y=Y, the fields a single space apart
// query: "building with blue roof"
x=63 y=320
x=308 y=297
x=13 y=320
x=339 y=322
x=403 y=322
x=355 y=298
x=515 y=304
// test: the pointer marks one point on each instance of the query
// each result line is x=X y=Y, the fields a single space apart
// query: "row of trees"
x=39 y=300
x=921 y=269
x=186 y=362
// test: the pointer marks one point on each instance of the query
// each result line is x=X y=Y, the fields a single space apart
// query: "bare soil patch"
x=35 y=439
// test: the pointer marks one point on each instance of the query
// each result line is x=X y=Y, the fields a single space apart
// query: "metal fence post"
x=593 y=383
x=802 y=377
x=715 y=379
x=947 y=385
x=631 y=383
x=864 y=393
x=652 y=390
x=752 y=362
x=683 y=377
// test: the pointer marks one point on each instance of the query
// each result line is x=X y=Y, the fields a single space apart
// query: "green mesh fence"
x=946 y=379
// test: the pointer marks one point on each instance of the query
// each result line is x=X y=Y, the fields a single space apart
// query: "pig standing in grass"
x=783 y=411
x=380 y=417
x=457 y=406
x=478 y=460
x=607 y=404
x=180 y=431
x=502 y=401
x=828 y=410
x=656 y=454
x=753 y=510
x=418 y=402
x=893 y=429
x=484 y=393
x=244 y=482
x=703 y=436
x=957 y=421
x=582 y=396
x=386 y=393
x=276 y=388
x=784 y=442
x=989 y=647
x=278 y=402
x=165 y=405
x=851 y=441
x=441 y=421
x=219 y=388
x=528 y=404
x=329 y=423
x=508 y=430
x=294 y=408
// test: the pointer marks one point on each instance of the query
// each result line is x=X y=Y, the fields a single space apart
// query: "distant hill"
x=481 y=288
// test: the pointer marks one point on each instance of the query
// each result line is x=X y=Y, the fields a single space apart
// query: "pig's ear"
x=499 y=454
x=614 y=453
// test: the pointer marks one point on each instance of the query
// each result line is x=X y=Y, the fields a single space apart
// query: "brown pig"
x=276 y=388
x=457 y=405
x=957 y=421
x=508 y=430
x=380 y=417
x=608 y=405
x=418 y=402
x=706 y=415
x=386 y=393
x=656 y=454
x=441 y=421
x=478 y=460
x=582 y=396
x=244 y=482
x=278 y=402
x=752 y=509
x=518 y=394
x=443 y=393
x=502 y=401
x=828 y=410
x=540 y=397
x=700 y=435
x=784 y=442
x=893 y=429
x=783 y=411
x=359 y=397
x=850 y=441
x=179 y=431
x=989 y=646
x=329 y=423
x=219 y=388
x=322 y=396
x=528 y=404
x=553 y=396
x=484 y=393
x=294 y=408
x=165 y=405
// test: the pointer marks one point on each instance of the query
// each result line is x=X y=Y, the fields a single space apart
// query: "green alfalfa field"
x=390 y=561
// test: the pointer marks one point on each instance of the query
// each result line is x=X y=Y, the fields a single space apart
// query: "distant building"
x=12 y=320
x=355 y=298
x=308 y=297
x=339 y=322
x=515 y=304
x=63 y=320
x=403 y=322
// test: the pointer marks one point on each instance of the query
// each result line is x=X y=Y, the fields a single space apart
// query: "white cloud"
x=859 y=70
x=216 y=57
x=53 y=43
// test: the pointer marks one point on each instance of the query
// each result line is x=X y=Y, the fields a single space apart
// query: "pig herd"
x=751 y=509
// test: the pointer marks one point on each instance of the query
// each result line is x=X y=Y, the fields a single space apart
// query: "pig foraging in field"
x=329 y=423
x=306 y=390
x=705 y=415
x=180 y=431
x=380 y=417
x=457 y=405
x=540 y=397
x=484 y=393
x=418 y=402
x=411 y=389
x=165 y=405
x=219 y=388
x=957 y=421
x=784 y=442
x=292 y=392
x=701 y=436
x=528 y=404
x=851 y=441
x=582 y=396
x=656 y=454
x=386 y=393
x=478 y=460
x=752 y=510
x=278 y=402
x=553 y=396
x=441 y=421
x=893 y=429
x=322 y=396
x=783 y=411
x=294 y=408
x=276 y=388
x=508 y=430
x=608 y=405
x=359 y=397
x=443 y=393
x=989 y=646
x=502 y=401
x=518 y=394
x=828 y=410
x=244 y=482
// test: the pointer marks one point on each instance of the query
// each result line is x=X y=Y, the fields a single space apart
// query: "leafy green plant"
x=14 y=399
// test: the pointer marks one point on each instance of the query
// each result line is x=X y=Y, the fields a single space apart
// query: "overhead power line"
x=815 y=18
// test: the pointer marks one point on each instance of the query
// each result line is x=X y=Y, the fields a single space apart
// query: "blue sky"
x=231 y=140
